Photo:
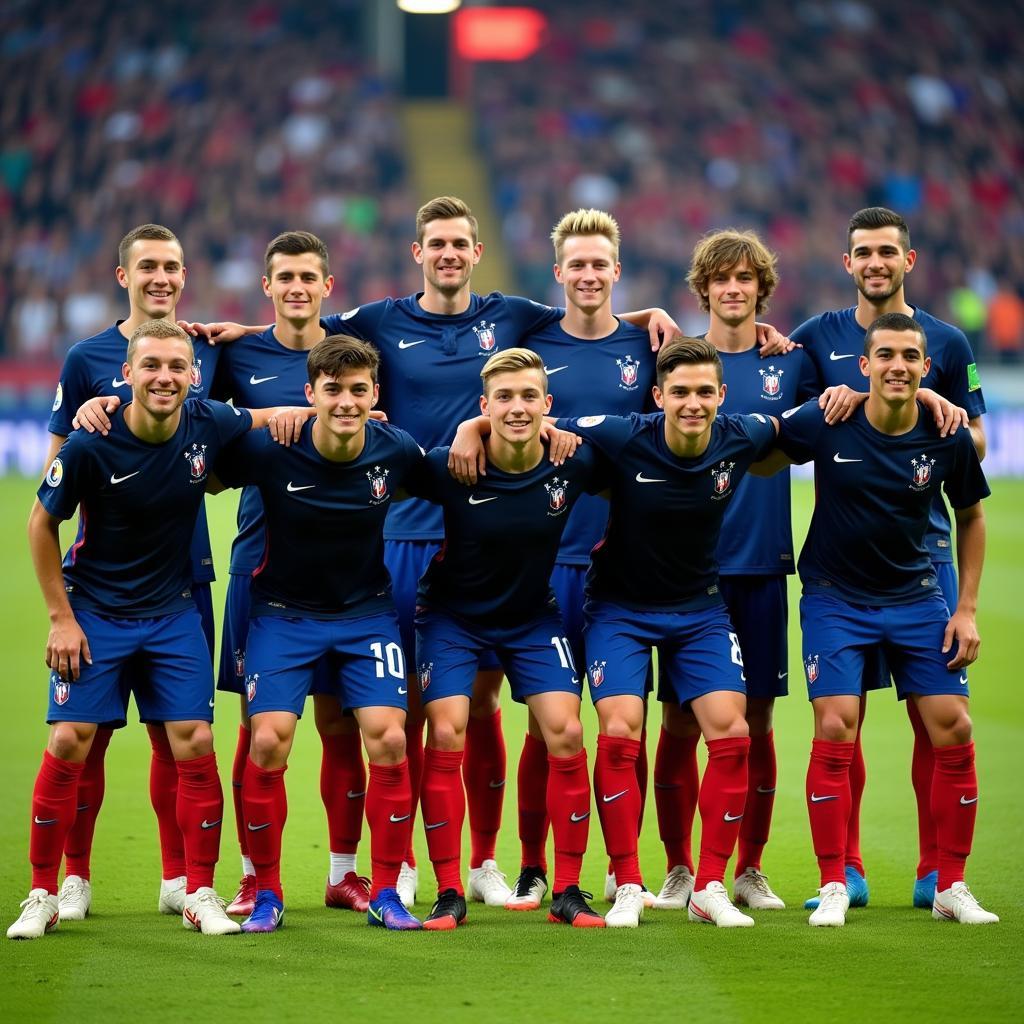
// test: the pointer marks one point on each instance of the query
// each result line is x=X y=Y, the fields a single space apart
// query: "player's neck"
x=434 y=301
x=732 y=337
x=513 y=458
x=868 y=312
x=589 y=326
x=892 y=417
x=147 y=427
x=300 y=335
x=687 y=447
x=137 y=318
x=337 y=449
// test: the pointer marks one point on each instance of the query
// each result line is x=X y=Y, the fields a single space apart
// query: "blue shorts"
x=202 y=595
x=698 y=652
x=168 y=671
x=364 y=655
x=758 y=608
x=567 y=582
x=536 y=656
x=839 y=637
x=406 y=561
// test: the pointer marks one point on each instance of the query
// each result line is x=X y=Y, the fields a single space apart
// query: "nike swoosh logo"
x=641 y=479
x=574 y=817
x=430 y=828
x=554 y=369
x=82 y=807
x=258 y=828
x=402 y=690
x=765 y=790
x=403 y=344
x=967 y=803
x=838 y=458
x=835 y=358
x=355 y=796
x=614 y=796
x=480 y=501
x=115 y=479
x=782 y=675
x=211 y=702
x=44 y=821
x=211 y=824
x=401 y=817
x=963 y=680
x=731 y=817
x=376 y=914
x=291 y=488
x=495 y=785
x=815 y=799
x=118 y=383
x=261 y=380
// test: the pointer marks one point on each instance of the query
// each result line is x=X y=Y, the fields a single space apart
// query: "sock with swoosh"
x=676 y=785
x=54 y=798
x=444 y=811
x=828 y=806
x=414 y=753
x=618 y=804
x=265 y=802
x=723 y=794
x=91 y=786
x=343 y=790
x=483 y=771
x=858 y=779
x=533 y=803
x=922 y=770
x=757 y=812
x=237 y=776
x=163 y=795
x=954 y=808
x=200 y=812
x=389 y=815
x=569 y=810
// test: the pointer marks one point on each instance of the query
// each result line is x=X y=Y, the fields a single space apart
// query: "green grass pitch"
x=891 y=962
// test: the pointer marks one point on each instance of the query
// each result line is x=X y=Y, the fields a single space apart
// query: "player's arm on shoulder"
x=949 y=418
x=562 y=444
x=774 y=460
x=970 y=557
x=285 y=421
x=93 y=415
x=467 y=458
x=660 y=327
x=840 y=402
x=222 y=331
x=772 y=342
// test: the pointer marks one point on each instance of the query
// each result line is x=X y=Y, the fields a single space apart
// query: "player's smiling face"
x=297 y=286
x=343 y=403
x=895 y=366
x=160 y=374
x=154 y=277
x=516 y=403
x=690 y=395
x=878 y=262
x=733 y=293
x=588 y=271
x=447 y=254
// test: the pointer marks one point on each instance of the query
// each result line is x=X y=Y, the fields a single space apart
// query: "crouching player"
x=123 y=596
x=488 y=590
x=877 y=475
x=322 y=590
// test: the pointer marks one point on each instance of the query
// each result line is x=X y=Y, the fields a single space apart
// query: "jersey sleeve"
x=960 y=382
x=761 y=431
x=362 y=322
x=531 y=316
x=799 y=430
x=808 y=379
x=66 y=479
x=608 y=434
x=230 y=422
x=429 y=476
x=239 y=462
x=72 y=390
x=805 y=334
x=966 y=484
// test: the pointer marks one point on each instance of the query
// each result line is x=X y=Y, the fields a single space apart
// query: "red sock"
x=828 y=806
x=954 y=808
x=858 y=778
x=757 y=812
x=618 y=804
x=265 y=802
x=444 y=810
x=676 y=784
x=163 y=795
x=569 y=810
x=54 y=798
x=200 y=811
x=343 y=789
x=91 y=786
x=389 y=815
x=414 y=755
x=642 y=773
x=483 y=771
x=237 y=775
x=922 y=768
x=723 y=793
x=533 y=803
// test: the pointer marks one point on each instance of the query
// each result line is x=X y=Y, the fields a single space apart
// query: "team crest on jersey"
x=629 y=369
x=55 y=473
x=423 y=675
x=61 y=689
x=196 y=383
x=250 y=686
x=378 y=478
x=811 y=668
x=922 y=472
x=771 y=383
x=239 y=655
x=58 y=398
x=485 y=336
x=596 y=673
x=196 y=456
x=556 y=495
x=722 y=477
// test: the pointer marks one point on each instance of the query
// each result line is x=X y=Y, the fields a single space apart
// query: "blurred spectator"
x=1006 y=324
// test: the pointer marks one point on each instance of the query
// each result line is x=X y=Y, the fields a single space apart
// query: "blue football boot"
x=924 y=890
x=856 y=889
x=388 y=911
x=267 y=914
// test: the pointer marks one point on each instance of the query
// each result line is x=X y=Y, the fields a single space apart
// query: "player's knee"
x=567 y=738
x=266 y=747
x=68 y=743
x=388 y=747
x=191 y=740
x=444 y=734
x=958 y=727
x=621 y=726
x=836 y=727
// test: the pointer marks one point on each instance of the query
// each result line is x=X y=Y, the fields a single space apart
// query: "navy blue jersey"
x=139 y=503
x=323 y=554
x=866 y=541
x=614 y=374
x=666 y=511
x=430 y=372
x=257 y=375
x=757 y=535
x=92 y=368
x=835 y=340
x=501 y=536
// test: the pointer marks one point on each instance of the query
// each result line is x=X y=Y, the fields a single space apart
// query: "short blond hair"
x=512 y=360
x=585 y=222
x=723 y=250
x=157 y=329
x=444 y=208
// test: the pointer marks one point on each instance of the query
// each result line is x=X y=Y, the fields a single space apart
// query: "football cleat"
x=408 y=881
x=39 y=915
x=529 y=890
x=487 y=885
x=924 y=890
x=751 y=889
x=204 y=912
x=957 y=903
x=856 y=890
x=351 y=893
x=388 y=911
x=628 y=907
x=610 y=887
x=172 y=896
x=267 y=915
x=712 y=906
x=75 y=898
x=571 y=907
x=447 y=913
x=245 y=899
x=676 y=892
x=833 y=903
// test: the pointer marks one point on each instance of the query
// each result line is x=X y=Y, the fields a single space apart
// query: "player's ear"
x=483 y=406
x=122 y=277
x=617 y=272
x=309 y=393
x=721 y=393
x=926 y=366
x=376 y=395
x=911 y=260
x=864 y=366
x=558 y=274
x=266 y=285
x=328 y=285
x=659 y=398
x=417 y=252
x=547 y=404
x=478 y=251
x=126 y=371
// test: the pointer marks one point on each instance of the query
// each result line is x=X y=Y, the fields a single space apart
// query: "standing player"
x=877 y=477
x=324 y=500
x=878 y=258
x=480 y=594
